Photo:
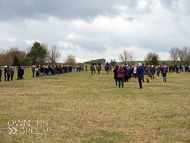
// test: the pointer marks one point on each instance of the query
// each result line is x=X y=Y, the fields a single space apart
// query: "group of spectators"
x=40 y=70
x=180 y=68
x=124 y=73
x=9 y=73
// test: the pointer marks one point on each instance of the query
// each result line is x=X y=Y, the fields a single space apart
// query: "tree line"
x=38 y=54
x=177 y=56
x=41 y=54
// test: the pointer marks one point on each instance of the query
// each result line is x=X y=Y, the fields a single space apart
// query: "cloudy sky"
x=91 y=29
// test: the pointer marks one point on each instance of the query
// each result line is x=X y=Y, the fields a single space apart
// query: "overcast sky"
x=91 y=29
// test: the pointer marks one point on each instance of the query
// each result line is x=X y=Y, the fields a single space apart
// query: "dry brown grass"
x=83 y=108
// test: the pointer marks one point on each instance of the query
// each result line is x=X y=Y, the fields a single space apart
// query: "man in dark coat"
x=158 y=70
x=115 y=74
x=22 y=73
x=5 y=72
x=124 y=67
x=140 y=72
x=127 y=74
x=146 y=72
x=19 y=72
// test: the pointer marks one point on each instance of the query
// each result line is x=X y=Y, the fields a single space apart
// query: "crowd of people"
x=120 y=75
x=9 y=73
x=40 y=70
x=124 y=73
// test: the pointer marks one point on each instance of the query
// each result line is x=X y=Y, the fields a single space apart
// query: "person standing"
x=140 y=72
x=19 y=72
x=158 y=70
x=125 y=69
x=49 y=70
x=33 y=70
x=146 y=72
x=12 y=73
x=152 y=70
x=115 y=74
x=120 y=75
x=41 y=71
x=0 y=73
x=164 y=73
x=5 y=72
x=8 y=73
x=128 y=74
x=22 y=73
x=37 y=71
x=134 y=71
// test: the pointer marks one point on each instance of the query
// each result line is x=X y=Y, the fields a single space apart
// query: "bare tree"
x=53 y=55
x=188 y=60
x=181 y=55
x=174 y=54
x=124 y=57
x=127 y=56
x=186 y=52
x=150 y=56
x=70 y=60
x=131 y=57
x=45 y=47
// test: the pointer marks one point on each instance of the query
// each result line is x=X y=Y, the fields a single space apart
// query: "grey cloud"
x=64 y=9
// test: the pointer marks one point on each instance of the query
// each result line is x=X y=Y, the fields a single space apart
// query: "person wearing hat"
x=5 y=72
x=33 y=70
x=140 y=72
x=0 y=73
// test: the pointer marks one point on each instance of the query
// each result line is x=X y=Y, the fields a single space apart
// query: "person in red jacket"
x=120 y=75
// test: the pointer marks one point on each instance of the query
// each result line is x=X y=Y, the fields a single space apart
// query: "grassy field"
x=78 y=107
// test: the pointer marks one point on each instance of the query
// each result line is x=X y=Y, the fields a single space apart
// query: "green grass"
x=79 y=107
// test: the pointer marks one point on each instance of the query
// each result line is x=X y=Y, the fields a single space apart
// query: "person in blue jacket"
x=140 y=72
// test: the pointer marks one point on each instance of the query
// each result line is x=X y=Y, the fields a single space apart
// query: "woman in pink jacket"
x=120 y=75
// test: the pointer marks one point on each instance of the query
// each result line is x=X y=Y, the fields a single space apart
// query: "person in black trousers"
x=140 y=72
x=115 y=74
x=19 y=72
x=5 y=72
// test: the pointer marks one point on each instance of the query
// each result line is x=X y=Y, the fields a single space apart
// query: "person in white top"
x=135 y=71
